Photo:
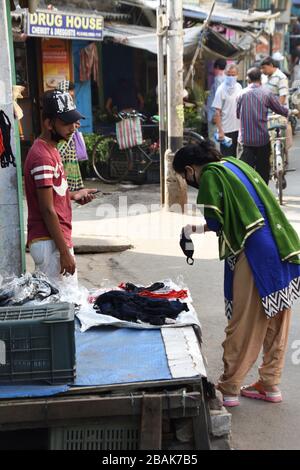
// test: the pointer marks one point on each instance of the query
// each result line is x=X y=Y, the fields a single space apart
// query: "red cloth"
x=89 y=63
x=172 y=294
x=44 y=168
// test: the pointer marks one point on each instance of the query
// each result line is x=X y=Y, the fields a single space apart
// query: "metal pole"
x=161 y=93
x=176 y=194
x=11 y=227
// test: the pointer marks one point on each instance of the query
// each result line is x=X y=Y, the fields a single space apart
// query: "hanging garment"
x=132 y=307
x=89 y=63
x=68 y=155
x=6 y=155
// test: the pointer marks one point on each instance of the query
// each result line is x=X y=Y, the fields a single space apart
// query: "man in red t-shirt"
x=47 y=193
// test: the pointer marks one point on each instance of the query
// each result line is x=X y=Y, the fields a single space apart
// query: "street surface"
x=156 y=256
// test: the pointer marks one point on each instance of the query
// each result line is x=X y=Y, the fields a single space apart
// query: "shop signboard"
x=58 y=24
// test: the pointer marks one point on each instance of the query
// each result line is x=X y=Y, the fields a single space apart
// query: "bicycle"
x=112 y=165
x=278 y=157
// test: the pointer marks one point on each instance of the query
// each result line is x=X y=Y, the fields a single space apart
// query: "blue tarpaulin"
x=114 y=356
x=107 y=356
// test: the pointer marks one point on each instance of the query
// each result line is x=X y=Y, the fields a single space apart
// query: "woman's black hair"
x=196 y=154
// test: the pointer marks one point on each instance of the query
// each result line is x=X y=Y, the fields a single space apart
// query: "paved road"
x=156 y=256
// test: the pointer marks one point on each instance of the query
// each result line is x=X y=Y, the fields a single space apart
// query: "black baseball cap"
x=58 y=104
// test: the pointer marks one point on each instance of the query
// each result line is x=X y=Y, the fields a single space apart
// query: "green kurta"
x=227 y=200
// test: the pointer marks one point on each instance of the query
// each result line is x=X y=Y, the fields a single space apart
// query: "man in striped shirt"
x=252 y=110
x=47 y=193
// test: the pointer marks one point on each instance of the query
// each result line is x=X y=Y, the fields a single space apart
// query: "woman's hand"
x=190 y=229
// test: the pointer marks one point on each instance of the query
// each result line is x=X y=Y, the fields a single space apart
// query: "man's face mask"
x=230 y=81
x=187 y=246
x=193 y=183
x=55 y=136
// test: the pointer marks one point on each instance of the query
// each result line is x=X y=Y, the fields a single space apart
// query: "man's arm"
x=283 y=90
x=282 y=99
x=49 y=215
x=217 y=104
x=238 y=107
x=108 y=105
x=141 y=101
x=218 y=121
x=275 y=104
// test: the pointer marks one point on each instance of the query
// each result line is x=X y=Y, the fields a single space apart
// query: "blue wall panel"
x=82 y=90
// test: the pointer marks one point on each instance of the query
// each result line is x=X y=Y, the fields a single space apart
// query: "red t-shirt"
x=44 y=168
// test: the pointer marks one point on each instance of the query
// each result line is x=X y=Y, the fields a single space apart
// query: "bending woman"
x=262 y=267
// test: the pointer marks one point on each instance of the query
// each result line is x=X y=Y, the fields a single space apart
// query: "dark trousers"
x=230 y=151
x=258 y=158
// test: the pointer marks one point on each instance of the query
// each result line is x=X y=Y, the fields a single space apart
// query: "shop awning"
x=223 y=12
x=142 y=37
x=214 y=44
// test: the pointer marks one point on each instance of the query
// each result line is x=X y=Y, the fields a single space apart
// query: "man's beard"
x=56 y=136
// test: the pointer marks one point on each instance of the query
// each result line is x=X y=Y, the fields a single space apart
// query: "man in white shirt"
x=219 y=75
x=278 y=84
x=277 y=81
x=225 y=103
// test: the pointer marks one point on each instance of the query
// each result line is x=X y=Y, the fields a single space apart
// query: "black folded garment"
x=132 y=307
x=130 y=287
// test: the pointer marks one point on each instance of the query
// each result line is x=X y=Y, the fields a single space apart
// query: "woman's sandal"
x=260 y=394
x=231 y=400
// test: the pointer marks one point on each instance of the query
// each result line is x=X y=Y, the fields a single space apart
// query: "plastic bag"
x=129 y=133
x=28 y=287
x=81 y=152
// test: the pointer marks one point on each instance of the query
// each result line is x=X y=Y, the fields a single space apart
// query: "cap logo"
x=64 y=103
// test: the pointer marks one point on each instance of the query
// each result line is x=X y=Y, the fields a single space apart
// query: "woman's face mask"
x=193 y=183
x=230 y=81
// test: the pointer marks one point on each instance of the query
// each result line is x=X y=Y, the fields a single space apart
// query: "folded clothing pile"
x=133 y=307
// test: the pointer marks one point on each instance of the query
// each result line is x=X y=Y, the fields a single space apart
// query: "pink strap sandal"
x=260 y=394
x=231 y=400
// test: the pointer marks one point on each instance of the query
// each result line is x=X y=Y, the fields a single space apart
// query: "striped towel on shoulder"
x=129 y=133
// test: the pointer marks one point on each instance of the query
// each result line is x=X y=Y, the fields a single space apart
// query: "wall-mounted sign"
x=57 y=24
x=55 y=62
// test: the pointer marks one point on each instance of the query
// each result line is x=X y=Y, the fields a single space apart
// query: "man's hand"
x=83 y=196
x=67 y=263
x=221 y=135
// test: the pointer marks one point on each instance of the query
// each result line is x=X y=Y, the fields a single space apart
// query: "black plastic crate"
x=37 y=344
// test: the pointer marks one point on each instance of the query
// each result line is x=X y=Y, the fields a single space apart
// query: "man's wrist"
x=64 y=251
